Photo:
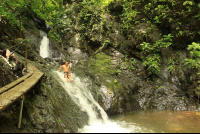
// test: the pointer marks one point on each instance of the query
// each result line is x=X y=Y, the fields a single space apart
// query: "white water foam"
x=44 y=46
x=81 y=95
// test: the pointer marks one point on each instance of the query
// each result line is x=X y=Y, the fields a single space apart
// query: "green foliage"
x=90 y=20
x=49 y=10
x=101 y=65
x=128 y=17
x=193 y=61
x=9 y=10
x=161 y=10
x=118 y=73
x=131 y=62
x=165 y=42
x=54 y=36
x=106 y=42
x=198 y=15
x=153 y=64
x=126 y=58
x=188 y=3
x=16 y=10
x=97 y=3
x=171 y=65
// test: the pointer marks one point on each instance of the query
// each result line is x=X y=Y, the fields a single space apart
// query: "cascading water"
x=81 y=95
x=44 y=46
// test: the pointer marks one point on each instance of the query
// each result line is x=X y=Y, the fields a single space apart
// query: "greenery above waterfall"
x=149 y=25
x=16 y=11
x=93 y=23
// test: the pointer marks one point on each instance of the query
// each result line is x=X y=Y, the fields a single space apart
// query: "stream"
x=154 y=121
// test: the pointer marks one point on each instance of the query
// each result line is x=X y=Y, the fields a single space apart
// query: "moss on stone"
x=101 y=65
x=116 y=87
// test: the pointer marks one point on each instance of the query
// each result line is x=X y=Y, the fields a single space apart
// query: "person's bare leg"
x=66 y=78
x=7 y=53
x=69 y=76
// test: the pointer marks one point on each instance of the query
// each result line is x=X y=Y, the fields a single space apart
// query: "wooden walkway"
x=15 y=90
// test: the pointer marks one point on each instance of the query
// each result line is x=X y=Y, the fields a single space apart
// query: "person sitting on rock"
x=17 y=66
x=67 y=70
x=10 y=56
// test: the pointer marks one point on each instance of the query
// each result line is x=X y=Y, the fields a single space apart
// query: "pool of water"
x=152 y=121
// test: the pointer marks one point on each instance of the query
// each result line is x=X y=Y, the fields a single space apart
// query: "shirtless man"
x=67 y=70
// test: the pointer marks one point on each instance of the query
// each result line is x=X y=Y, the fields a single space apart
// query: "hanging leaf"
x=188 y=2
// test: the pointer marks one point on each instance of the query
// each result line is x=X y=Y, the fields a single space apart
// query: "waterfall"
x=44 y=46
x=81 y=95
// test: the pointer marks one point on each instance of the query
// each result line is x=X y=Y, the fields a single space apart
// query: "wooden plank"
x=11 y=85
x=9 y=97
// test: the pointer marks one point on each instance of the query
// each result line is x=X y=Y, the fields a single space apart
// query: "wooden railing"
x=16 y=90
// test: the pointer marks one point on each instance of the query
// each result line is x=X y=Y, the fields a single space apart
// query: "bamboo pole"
x=20 y=34
x=26 y=56
x=20 y=114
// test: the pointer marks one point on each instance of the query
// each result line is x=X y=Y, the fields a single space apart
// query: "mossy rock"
x=125 y=65
x=100 y=64
x=116 y=87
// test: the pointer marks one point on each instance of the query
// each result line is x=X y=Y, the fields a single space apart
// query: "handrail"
x=18 y=81
x=15 y=90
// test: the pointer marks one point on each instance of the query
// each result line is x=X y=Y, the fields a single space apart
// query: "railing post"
x=20 y=34
x=20 y=114
x=26 y=57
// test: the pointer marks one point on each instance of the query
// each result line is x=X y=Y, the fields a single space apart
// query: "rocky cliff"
x=135 y=54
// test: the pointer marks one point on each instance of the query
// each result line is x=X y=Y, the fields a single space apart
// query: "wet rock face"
x=75 y=55
x=51 y=110
x=107 y=97
x=127 y=90
x=74 y=51
x=167 y=96
x=33 y=34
